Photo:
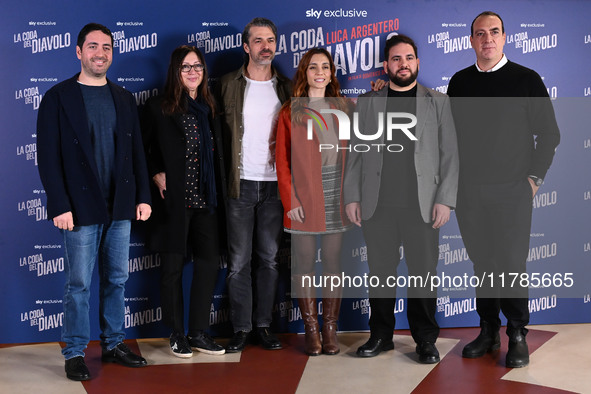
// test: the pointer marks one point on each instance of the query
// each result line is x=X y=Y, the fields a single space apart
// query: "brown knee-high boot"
x=309 y=310
x=331 y=302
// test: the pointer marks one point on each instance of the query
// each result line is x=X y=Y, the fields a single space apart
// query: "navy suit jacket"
x=66 y=161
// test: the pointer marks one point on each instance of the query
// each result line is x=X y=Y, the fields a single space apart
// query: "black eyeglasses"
x=185 y=68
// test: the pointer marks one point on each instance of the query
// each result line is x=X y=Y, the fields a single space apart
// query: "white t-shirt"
x=261 y=106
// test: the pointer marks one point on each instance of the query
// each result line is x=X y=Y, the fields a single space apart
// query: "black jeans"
x=255 y=225
x=202 y=237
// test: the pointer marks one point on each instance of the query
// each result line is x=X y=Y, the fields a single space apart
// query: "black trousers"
x=495 y=223
x=384 y=232
x=203 y=242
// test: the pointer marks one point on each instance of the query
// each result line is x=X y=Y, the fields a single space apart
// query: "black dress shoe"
x=428 y=353
x=123 y=355
x=488 y=340
x=76 y=369
x=267 y=340
x=518 y=353
x=238 y=342
x=374 y=346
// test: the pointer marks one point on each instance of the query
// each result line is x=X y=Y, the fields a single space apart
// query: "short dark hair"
x=90 y=28
x=399 y=39
x=487 y=13
x=260 y=22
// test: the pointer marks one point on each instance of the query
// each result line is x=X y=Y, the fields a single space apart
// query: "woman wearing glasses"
x=310 y=184
x=184 y=155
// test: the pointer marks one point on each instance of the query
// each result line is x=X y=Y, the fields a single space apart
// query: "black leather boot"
x=518 y=353
x=488 y=340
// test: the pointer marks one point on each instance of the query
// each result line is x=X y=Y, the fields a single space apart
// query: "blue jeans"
x=255 y=225
x=110 y=244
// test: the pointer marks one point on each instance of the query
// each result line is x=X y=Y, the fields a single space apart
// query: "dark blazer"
x=66 y=160
x=436 y=154
x=165 y=147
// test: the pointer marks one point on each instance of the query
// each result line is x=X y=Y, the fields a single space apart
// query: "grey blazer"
x=436 y=154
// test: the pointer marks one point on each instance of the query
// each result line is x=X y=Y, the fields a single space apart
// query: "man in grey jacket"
x=401 y=186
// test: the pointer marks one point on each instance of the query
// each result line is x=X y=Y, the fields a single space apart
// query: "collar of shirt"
x=497 y=66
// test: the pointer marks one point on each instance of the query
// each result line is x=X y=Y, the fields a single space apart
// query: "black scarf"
x=206 y=172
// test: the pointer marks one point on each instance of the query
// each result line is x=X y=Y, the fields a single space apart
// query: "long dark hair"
x=300 y=83
x=174 y=88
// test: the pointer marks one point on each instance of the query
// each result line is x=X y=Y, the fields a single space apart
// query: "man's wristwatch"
x=537 y=181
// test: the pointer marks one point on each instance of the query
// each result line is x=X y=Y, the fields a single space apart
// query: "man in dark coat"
x=92 y=166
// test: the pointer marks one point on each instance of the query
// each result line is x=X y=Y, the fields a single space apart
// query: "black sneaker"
x=205 y=344
x=179 y=346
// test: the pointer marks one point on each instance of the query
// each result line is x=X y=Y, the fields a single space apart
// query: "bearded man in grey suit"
x=400 y=190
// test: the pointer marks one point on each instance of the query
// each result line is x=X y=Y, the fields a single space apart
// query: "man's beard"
x=403 y=82
x=259 y=59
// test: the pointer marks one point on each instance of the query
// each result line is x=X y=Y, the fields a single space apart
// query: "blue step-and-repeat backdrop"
x=38 y=41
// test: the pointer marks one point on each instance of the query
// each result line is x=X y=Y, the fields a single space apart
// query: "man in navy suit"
x=91 y=163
